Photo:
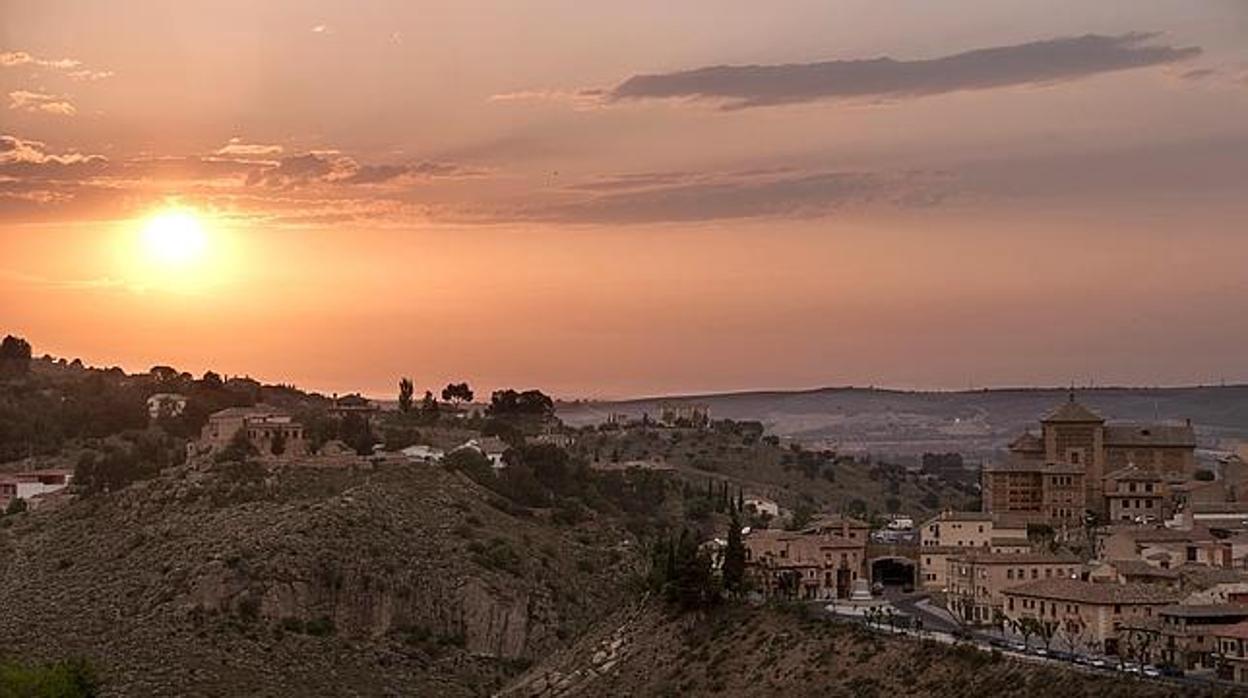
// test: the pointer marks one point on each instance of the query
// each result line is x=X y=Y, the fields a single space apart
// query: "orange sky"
x=622 y=200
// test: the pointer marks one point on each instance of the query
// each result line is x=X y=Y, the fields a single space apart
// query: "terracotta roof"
x=1183 y=436
x=1140 y=568
x=1165 y=535
x=1094 y=592
x=252 y=411
x=1239 y=630
x=1071 y=411
x=987 y=558
x=1027 y=442
x=1213 y=610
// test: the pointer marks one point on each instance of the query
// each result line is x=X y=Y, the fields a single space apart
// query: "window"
x=1035 y=573
x=1009 y=574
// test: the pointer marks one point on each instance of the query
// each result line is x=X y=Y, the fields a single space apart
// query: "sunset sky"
x=607 y=199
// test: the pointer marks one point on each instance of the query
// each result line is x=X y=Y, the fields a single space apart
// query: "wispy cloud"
x=72 y=68
x=40 y=102
x=238 y=147
x=1034 y=63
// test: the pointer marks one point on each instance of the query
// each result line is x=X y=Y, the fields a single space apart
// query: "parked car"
x=1152 y=672
x=1170 y=670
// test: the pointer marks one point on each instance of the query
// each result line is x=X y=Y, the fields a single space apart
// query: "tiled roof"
x=1071 y=411
x=1140 y=568
x=1027 y=442
x=1150 y=435
x=1094 y=592
x=987 y=558
x=1166 y=535
x=1022 y=465
x=252 y=411
x=1214 y=610
x=1239 y=630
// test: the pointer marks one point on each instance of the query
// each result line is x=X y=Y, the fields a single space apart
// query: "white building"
x=423 y=453
x=491 y=447
x=33 y=483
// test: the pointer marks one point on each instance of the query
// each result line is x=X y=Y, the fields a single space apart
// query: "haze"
x=614 y=199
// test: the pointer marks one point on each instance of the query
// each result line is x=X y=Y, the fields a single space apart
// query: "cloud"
x=11 y=59
x=1198 y=74
x=768 y=194
x=236 y=147
x=39 y=102
x=1037 y=62
x=72 y=68
x=332 y=167
x=30 y=159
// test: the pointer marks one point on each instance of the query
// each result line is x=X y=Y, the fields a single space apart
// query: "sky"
x=622 y=199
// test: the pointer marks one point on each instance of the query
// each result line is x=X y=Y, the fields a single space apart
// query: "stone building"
x=273 y=432
x=1062 y=471
x=1087 y=616
x=804 y=565
x=951 y=533
x=1136 y=495
x=977 y=580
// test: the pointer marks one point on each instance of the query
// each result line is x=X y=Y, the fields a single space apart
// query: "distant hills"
x=976 y=423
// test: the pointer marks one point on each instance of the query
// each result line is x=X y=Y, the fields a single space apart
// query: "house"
x=1133 y=571
x=354 y=404
x=423 y=453
x=952 y=533
x=685 y=415
x=1062 y=471
x=811 y=566
x=271 y=431
x=33 y=483
x=977 y=579
x=1166 y=547
x=1086 y=616
x=1186 y=636
x=165 y=405
x=1136 y=495
x=491 y=447
x=762 y=505
x=847 y=527
x=1232 y=651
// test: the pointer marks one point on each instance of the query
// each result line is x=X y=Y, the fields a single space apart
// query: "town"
x=1103 y=546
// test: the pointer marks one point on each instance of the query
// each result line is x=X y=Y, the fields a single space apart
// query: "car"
x=1130 y=667
x=1018 y=647
x=1063 y=656
x=1097 y=662
x=999 y=643
x=1152 y=672
x=1040 y=652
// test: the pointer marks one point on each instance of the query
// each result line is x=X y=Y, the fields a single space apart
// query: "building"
x=761 y=505
x=951 y=533
x=1134 y=494
x=1088 y=617
x=804 y=565
x=166 y=406
x=423 y=453
x=977 y=580
x=354 y=404
x=273 y=432
x=1187 y=636
x=1133 y=571
x=685 y=415
x=1232 y=652
x=1167 y=548
x=847 y=527
x=1075 y=450
x=491 y=447
x=33 y=483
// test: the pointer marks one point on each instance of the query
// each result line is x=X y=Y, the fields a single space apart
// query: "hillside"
x=306 y=581
x=768 y=651
x=976 y=423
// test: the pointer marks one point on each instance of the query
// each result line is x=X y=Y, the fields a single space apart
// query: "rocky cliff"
x=371 y=581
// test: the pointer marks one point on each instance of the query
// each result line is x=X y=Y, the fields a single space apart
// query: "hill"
x=769 y=651
x=977 y=423
x=301 y=581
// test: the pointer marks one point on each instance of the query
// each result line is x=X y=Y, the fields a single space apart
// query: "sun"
x=174 y=238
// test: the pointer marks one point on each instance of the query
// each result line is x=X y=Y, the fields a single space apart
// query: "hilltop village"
x=1089 y=544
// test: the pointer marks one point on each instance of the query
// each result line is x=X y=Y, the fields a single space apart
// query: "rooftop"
x=1140 y=568
x=1094 y=592
x=1239 y=630
x=1133 y=473
x=987 y=558
x=1179 y=435
x=1072 y=412
x=1214 y=610
x=1022 y=465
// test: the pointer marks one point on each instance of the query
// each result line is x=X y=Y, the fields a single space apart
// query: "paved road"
x=911 y=605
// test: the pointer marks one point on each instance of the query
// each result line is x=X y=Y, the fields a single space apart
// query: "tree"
x=406 y=390
x=212 y=381
x=278 y=445
x=16 y=506
x=734 y=558
x=507 y=404
x=14 y=357
x=457 y=393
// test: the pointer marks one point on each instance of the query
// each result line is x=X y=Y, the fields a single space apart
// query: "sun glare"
x=174 y=238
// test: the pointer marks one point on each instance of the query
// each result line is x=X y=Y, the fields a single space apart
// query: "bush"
x=74 y=678
x=16 y=506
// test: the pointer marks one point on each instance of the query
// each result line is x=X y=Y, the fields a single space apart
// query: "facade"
x=166 y=405
x=1061 y=472
x=952 y=533
x=33 y=483
x=977 y=580
x=1088 y=616
x=273 y=432
x=1134 y=494
x=685 y=415
x=1167 y=548
x=804 y=565
x=1232 y=652
x=1186 y=636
